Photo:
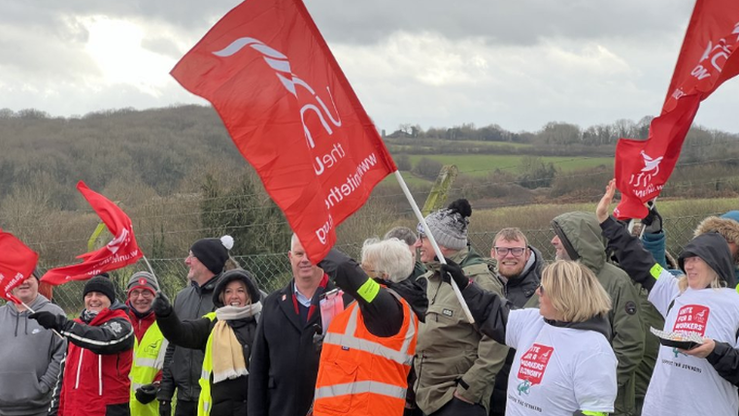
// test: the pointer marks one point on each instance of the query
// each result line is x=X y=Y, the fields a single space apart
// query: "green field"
x=482 y=165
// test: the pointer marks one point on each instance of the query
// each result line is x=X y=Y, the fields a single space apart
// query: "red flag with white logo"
x=706 y=60
x=292 y=114
x=17 y=262
x=121 y=251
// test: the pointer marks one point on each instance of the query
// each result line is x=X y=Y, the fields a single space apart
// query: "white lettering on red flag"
x=291 y=113
x=707 y=59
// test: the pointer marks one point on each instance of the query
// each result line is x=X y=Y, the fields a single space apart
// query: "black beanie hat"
x=101 y=284
x=213 y=252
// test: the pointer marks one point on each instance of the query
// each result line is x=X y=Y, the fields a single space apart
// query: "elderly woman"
x=564 y=364
x=368 y=348
x=697 y=303
x=225 y=335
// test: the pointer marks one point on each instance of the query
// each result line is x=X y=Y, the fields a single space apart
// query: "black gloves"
x=146 y=393
x=49 y=320
x=452 y=269
x=653 y=221
x=161 y=305
x=165 y=408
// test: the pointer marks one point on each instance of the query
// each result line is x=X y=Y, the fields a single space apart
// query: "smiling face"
x=196 y=270
x=27 y=291
x=141 y=299
x=235 y=294
x=96 y=301
x=511 y=256
x=303 y=269
x=699 y=273
x=561 y=252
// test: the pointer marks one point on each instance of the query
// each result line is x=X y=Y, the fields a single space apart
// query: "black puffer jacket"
x=228 y=396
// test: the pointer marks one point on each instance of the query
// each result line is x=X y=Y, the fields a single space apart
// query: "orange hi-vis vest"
x=361 y=374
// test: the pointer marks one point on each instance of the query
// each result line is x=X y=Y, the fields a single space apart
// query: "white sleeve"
x=665 y=290
x=517 y=320
x=595 y=383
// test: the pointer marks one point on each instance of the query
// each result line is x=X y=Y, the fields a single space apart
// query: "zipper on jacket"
x=79 y=367
x=100 y=375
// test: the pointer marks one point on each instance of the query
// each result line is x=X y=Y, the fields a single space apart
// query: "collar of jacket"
x=208 y=287
x=598 y=323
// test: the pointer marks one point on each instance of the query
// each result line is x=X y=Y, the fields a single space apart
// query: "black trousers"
x=186 y=408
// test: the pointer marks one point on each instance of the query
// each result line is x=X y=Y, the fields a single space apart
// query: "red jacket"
x=98 y=361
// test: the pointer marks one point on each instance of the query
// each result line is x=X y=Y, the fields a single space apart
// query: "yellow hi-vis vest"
x=361 y=374
x=205 y=401
x=148 y=358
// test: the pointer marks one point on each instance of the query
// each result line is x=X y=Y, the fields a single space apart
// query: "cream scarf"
x=229 y=362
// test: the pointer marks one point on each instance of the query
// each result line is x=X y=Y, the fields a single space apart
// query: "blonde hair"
x=511 y=234
x=574 y=291
x=390 y=257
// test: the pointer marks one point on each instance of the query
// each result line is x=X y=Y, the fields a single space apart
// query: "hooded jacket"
x=97 y=363
x=641 y=266
x=229 y=396
x=30 y=360
x=580 y=234
x=451 y=355
x=182 y=365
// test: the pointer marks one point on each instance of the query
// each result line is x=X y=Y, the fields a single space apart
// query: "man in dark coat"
x=519 y=270
x=182 y=366
x=284 y=361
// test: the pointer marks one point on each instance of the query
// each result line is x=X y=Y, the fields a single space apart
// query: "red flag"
x=706 y=60
x=292 y=114
x=17 y=262
x=121 y=251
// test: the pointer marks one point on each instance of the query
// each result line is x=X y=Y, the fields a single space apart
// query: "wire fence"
x=272 y=271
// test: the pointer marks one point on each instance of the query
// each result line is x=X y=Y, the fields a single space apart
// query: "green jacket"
x=449 y=348
x=581 y=236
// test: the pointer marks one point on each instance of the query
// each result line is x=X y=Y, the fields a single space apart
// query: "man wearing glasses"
x=519 y=268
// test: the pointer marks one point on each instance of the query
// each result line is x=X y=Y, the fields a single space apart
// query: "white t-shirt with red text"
x=557 y=371
x=683 y=385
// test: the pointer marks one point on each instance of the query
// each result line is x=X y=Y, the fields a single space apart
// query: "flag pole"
x=431 y=238
x=32 y=311
x=150 y=268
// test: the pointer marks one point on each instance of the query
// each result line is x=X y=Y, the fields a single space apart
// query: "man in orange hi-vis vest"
x=368 y=348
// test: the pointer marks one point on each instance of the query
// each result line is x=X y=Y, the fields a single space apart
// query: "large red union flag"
x=121 y=251
x=707 y=59
x=17 y=262
x=292 y=114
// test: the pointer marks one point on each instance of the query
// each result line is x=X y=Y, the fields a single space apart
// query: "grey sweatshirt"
x=30 y=359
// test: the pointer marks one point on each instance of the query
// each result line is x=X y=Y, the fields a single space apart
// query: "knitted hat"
x=449 y=226
x=101 y=284
x=142 y=280
x=213 y=252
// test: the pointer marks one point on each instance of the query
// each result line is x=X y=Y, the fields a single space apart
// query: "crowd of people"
x=386 y=334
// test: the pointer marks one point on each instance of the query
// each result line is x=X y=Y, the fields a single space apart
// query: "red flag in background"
x=292 y=114
x=121 y=251
x=17 y=262
x=706 y=60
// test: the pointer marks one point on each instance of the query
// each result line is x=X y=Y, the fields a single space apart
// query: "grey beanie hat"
x=143 y=280
x=449 y=226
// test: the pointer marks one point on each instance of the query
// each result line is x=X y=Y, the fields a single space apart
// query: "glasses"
x=540 y=288
x=371 y=272
x=516 y=251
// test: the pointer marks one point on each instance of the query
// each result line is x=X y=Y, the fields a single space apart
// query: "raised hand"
x=601 y=211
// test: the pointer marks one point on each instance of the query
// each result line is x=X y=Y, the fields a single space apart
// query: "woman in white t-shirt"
x=564 y=364
x=697 y=303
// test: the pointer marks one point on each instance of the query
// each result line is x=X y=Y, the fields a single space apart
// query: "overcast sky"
x=519 y=64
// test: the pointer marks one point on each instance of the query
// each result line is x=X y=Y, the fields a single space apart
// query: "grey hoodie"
x=30 y=359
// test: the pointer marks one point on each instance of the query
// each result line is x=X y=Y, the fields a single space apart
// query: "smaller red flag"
x=121 y=251
x=17 y=262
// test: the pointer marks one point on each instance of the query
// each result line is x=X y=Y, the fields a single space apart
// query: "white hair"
x=390 y=257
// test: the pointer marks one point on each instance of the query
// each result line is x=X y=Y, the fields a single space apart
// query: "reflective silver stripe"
x=361 y=387
x=146 y=362
x=135 y=386
x=205 y=375
x=368 y=346
x=349 y=340
x=159 y=362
